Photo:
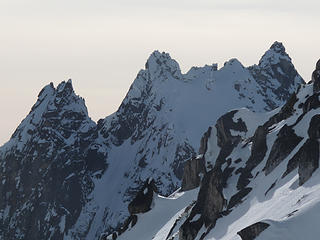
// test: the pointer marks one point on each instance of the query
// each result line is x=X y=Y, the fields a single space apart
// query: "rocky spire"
x=57 y=108
x=276 y=72
x=274 y=55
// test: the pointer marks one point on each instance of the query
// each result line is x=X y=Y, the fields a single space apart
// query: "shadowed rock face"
x=312 y=102
x=192 y=169
x=251 y=232
x=287 y=140
x=143 y=200
x=195 y=166
x=309 y=160
x=210 y=203
x=225 y=124
x=309 y=155
x=45 y=166
x=258 y=152
x=316 y=78
x=314 y=128
x=204 y=141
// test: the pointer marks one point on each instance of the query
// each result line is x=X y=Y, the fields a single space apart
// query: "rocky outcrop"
x=191 y=173
x=225 y=124
x=209 y=205
x=204 y=141
x=225 y=140
x=253 y=231
x=312 y=102
x=309 y=157
x=308 y=160
x=194 y=167
x=314 y=127
x=316 y=78
x=286 y=141
x=143 y=200
x=285 y=112
x=258 y=152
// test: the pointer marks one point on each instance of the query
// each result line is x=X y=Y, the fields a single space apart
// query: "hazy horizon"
x=102 y=45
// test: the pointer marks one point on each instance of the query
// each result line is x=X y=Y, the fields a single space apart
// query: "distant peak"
x=158 y=58
x=162 y=61
x=274 y=55
x=233 y=62
x=65 y=87
x=278 y=47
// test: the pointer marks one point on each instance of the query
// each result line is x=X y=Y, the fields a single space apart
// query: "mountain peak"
x=233 y=62
x=66 y=87
x=158 y=63
x=274 y=55
x=278 y=47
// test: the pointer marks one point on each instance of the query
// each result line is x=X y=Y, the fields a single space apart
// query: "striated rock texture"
x=251 y=232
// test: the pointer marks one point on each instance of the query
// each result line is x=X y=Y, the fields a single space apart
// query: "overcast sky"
x=102 y=45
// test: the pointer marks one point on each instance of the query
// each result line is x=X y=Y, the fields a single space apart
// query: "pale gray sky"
x=102 y=44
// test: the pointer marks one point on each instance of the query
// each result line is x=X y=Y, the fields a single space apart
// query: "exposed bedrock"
x=251 y=232
x=143 y=200
x=191 y=173
x=286 y=141
x=316 y=78
x=258 y=152
x=209 y=205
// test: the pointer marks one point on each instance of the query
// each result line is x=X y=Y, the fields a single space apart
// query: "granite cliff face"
x=59 y=169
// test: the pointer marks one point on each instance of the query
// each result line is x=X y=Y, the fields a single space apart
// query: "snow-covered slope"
x=161 y=120
x=85 y=174
x=261 y=178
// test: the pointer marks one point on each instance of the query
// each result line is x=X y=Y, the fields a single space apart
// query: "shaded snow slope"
x=162 y=118
x=269 y=176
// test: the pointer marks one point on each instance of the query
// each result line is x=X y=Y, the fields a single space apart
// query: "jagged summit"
x=256 y=176
x=161 y=65
x=278 y=47
x=57 y=108
x=274 y=55
x=277 y=73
